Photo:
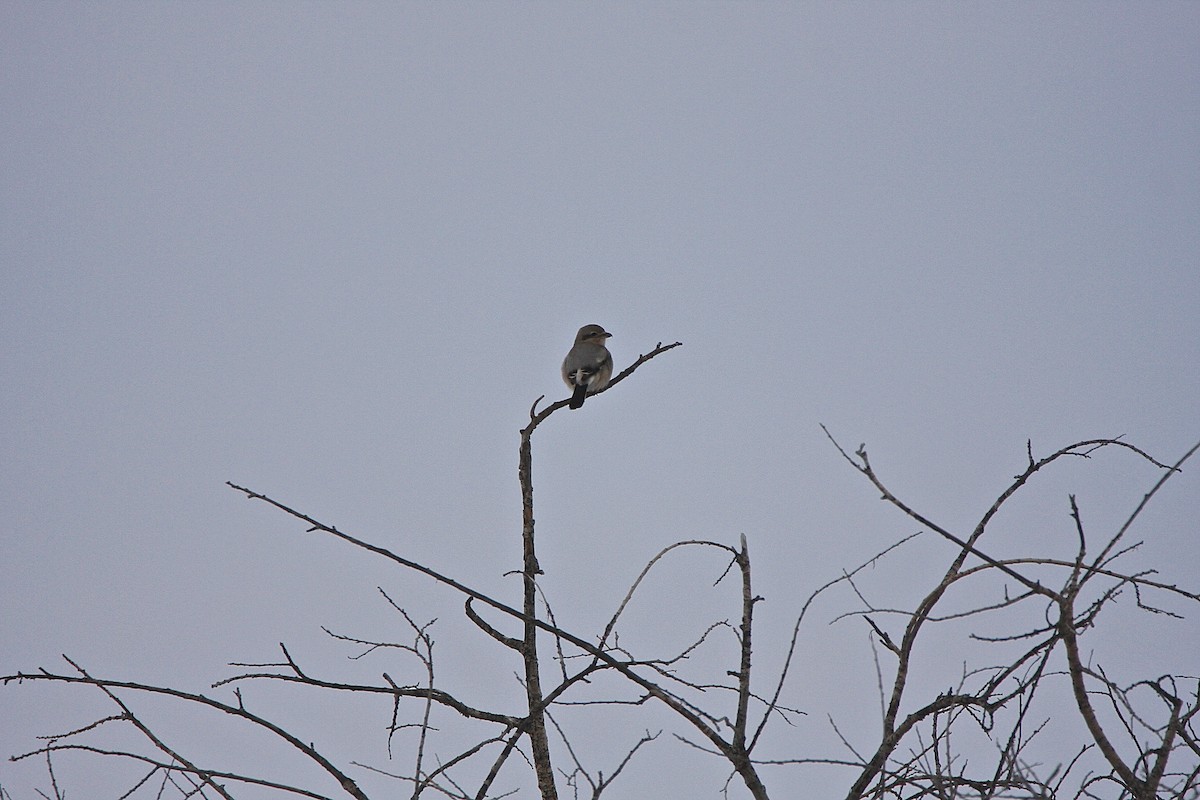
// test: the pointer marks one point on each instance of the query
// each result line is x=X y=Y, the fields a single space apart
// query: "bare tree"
x=975 y=740
x=1000 y=700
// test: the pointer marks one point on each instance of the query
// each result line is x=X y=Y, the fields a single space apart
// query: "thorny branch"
x=879 y=770
x=1151 y=749
x=239 y=711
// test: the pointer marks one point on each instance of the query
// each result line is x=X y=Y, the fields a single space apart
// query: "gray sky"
x=335 y=252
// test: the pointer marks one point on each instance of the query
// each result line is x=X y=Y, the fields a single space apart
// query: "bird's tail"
x=577 y=397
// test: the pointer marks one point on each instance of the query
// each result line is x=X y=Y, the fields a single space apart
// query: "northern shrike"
x=588 y=366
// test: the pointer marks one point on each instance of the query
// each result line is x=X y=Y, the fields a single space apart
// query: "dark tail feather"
x=577 y=398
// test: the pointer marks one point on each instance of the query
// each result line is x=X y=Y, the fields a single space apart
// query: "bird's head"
x=592 y=333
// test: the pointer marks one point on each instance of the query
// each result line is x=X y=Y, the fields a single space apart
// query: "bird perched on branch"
x=588 y=366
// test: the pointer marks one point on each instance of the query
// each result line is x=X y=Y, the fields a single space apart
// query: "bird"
x=588 y=365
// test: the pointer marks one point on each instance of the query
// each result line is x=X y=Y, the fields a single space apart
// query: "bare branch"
x=348 y=785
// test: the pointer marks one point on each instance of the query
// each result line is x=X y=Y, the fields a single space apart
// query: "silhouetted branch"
x=348 y=785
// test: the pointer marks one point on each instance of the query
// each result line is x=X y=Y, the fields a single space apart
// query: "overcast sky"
x=334 y=252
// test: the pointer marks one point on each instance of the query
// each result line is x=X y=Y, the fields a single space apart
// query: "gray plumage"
x=588 y=366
